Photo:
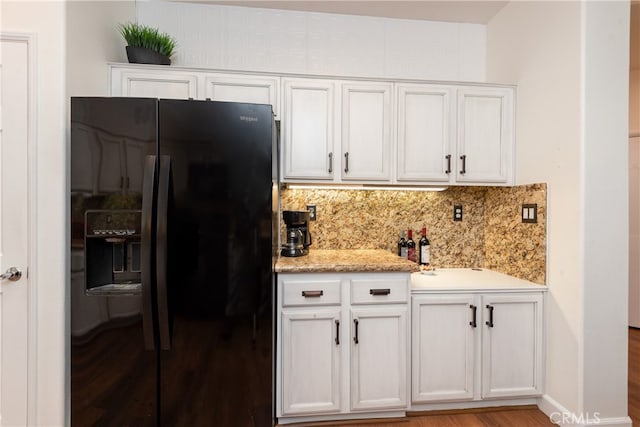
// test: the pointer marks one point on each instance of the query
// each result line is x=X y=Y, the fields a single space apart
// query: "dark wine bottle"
x=424 y=248
x=411 y=247
x=402 y=246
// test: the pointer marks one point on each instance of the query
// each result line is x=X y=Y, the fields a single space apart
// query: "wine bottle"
x=411 y=247
x=424 y=248
x=402 y=246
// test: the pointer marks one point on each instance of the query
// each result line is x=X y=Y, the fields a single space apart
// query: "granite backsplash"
x=490 y=235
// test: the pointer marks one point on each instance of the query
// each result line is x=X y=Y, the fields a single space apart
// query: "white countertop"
x=469 y=279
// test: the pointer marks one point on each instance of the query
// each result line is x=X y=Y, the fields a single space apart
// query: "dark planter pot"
x=142 y=55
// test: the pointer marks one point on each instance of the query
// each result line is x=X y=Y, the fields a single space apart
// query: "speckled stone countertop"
x=340 y=260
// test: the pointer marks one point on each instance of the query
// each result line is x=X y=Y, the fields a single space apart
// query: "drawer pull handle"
x=379 y=291
x=474 y=310
x=489 y=322
x=464 y=164
x=312 y=294
x=355 y=337
x=448 y=157
x=337 y=332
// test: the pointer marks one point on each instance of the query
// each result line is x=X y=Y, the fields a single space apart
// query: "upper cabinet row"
x=362 y=132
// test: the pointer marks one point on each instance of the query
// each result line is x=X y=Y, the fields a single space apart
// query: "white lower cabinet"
x=342 y=345
x=457 y=336
x=379 y=358
x=310 y=360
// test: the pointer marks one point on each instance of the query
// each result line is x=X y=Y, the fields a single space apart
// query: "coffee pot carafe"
x=298 y=238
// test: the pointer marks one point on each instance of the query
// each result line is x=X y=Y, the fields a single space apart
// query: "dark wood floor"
x=507 y=417
x=523 y=416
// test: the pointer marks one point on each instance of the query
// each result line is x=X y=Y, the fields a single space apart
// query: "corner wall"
x=540 y=47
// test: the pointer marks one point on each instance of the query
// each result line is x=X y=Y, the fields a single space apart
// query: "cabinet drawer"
x=310 y=292
x=379 y=291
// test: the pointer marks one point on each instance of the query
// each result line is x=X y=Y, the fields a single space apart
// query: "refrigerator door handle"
x=148 y=187
x=165 y=191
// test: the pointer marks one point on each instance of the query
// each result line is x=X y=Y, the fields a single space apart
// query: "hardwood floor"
x=529 y=416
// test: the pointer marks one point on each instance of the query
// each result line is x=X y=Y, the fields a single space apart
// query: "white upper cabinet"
x=175 y=83
x=424 y=132
x=153 y=83
x=485 y=128
x=248 y=89
x=308 y=129
x=359 y=131
x=366 y=131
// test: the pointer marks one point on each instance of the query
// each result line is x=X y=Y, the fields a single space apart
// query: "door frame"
x=30 y=39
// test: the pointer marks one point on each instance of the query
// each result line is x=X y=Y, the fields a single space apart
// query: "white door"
x=424 y=133
x=485 y=135
x=154 y=84
x=444 y=335
x=310 y=361
x=511 y=345
x=308 y=129
x=378 y=358
x=14 y=85
x=366 y=131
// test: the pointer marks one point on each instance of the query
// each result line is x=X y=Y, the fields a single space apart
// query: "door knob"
x=12 y=274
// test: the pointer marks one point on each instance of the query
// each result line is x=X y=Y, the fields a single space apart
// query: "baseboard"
x=561 y=416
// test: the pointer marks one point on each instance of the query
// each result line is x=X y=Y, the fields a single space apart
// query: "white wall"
x=634 y=77
x=93 y=39
x=253 y=39
x=568 y=61
x=47 y=278
x=74 y=42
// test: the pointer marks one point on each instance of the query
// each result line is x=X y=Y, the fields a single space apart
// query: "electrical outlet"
x=457 y=212
x=312 y=212
x=530 y=213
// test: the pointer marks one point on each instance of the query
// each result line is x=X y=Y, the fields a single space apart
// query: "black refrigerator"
x=173 y=234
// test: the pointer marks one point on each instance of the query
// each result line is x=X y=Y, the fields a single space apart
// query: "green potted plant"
x=147 y=45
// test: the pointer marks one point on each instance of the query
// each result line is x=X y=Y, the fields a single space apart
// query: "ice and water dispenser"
x=112 y=252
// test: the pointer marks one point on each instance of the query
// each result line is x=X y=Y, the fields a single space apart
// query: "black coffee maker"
x=298 y=238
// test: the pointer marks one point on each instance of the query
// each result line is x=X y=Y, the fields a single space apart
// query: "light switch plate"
x=530 y=213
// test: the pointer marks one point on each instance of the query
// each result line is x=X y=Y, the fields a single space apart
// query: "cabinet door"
x=512 y=345
x=443 y=337
x=249 y=89
x=153 y=84
x=424 y=133
x=310 y=361
x=366 y=131
x=308 y=131
x=378 y=358
x=485 y=135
